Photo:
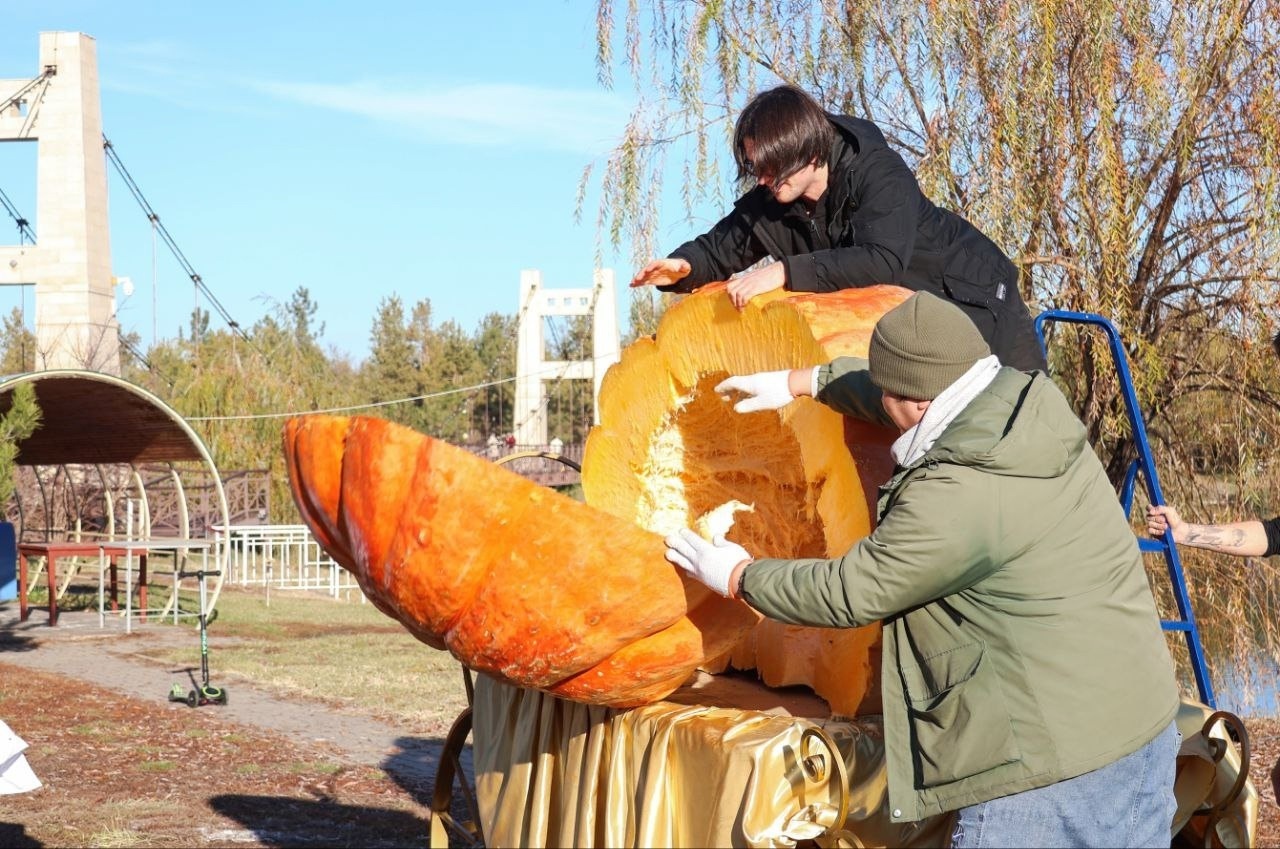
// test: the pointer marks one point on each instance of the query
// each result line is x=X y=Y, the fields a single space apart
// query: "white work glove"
x=710 y=562
x=765 y=390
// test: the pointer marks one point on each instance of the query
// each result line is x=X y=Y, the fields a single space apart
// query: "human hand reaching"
x=712 y=563
x=662 y=272
x=769 y=390
x=765 y=390
x=745 y=287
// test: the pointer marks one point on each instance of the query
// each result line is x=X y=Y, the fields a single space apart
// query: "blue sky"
x=425 y=149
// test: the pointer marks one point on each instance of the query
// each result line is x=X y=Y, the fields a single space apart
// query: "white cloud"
x=157 y=50
x=499 y=114
x=165 y=70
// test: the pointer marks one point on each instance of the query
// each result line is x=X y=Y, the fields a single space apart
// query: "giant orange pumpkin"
x=576 y=599
x=513 y=578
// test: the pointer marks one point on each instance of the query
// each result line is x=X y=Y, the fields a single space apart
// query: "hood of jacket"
x=854 y=137
x=858 y=134
x=1020 y=425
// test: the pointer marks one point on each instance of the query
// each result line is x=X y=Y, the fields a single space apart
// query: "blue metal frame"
x=1186 y=623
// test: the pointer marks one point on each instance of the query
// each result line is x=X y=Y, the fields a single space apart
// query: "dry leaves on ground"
x=120 y=771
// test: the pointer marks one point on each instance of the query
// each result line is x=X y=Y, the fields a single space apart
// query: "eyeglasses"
x=749 y=169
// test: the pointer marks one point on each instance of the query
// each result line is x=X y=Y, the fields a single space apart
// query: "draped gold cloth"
x=725 y=762
x=682 y=772
x=1217 y=804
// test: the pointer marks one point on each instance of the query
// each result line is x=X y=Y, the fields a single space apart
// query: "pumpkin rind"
x=513 y=578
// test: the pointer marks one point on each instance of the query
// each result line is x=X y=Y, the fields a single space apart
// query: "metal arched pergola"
x=98 y=434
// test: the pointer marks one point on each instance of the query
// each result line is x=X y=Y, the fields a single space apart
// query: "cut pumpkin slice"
x=514 y=579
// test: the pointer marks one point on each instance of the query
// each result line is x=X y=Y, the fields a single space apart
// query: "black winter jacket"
x=1272 y=529
x=873 y=225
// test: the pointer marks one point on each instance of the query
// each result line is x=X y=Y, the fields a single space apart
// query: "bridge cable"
x=196 y=279
x=24 y=226
x=18 y=96
x=24 y=231
x=372 y=405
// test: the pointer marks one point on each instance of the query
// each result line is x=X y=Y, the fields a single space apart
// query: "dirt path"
x=118 y=758
x=112 y=659
x=300 y=773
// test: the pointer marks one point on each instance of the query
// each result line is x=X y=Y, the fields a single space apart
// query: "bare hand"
x=662 y=272
x=744 y=288
x=1162 y=519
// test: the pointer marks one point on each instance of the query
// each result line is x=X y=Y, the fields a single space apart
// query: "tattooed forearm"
x=1218 y=537
x=1243 y=539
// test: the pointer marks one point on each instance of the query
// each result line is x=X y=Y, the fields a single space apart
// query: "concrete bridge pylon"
x=70 y=263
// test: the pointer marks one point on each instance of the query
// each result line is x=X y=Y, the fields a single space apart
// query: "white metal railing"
x=282 y=557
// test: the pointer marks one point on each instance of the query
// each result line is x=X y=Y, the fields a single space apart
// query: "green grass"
x=322 y=767
x=345 y=653
x=158 y=766
x=97 y=729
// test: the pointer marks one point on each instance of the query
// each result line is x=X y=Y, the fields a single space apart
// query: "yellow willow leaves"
x=1121 y=151
x=1125 y=154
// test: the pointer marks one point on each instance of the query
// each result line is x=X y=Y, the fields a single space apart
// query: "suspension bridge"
x=66 y=259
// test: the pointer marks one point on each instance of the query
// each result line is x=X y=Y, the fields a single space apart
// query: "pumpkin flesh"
x=669 y=450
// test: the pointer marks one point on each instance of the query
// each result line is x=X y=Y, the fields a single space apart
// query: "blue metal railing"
x=1186 y=621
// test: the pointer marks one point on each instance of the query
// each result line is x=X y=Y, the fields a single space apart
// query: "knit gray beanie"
x=922 y=346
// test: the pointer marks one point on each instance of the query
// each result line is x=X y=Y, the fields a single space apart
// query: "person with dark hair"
x=837 y=209
x=1243 y=539
x=1025 y=680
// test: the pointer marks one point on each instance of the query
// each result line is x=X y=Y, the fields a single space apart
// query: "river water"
x=1247 y=689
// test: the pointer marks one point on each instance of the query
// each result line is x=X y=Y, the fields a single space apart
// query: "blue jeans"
x=1127 y=803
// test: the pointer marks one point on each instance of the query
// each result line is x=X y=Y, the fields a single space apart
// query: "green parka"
x=1021 y=644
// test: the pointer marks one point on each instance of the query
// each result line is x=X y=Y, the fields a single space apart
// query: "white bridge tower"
x=70 y=264
x=532 y=367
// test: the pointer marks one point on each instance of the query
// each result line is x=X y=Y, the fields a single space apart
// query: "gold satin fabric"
x=1215 y=806
x=721 y=762
x=682 y=772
